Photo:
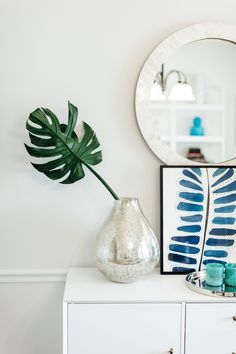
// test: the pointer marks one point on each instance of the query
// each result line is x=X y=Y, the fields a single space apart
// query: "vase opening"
x=128 y=199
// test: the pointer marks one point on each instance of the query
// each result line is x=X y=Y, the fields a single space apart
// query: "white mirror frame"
x=142 y=96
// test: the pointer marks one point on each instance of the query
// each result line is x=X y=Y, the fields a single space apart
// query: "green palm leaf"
x=60 y=145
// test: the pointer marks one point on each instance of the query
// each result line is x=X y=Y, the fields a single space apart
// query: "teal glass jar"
x=230 y=289
x=215 y=288
x=214 y=274
x=230 y=274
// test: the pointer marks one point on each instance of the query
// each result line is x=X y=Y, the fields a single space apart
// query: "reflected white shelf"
x=172 y=122
x=192 y=139
x=186 y=107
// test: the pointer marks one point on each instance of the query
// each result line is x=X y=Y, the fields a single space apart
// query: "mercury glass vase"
x=126 y=246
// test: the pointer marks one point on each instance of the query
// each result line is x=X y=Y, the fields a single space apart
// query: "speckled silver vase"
x=126 y=247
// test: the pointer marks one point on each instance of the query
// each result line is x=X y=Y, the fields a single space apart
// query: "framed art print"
x=198 y=217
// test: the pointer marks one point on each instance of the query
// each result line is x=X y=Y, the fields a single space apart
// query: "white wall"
x=90 y=52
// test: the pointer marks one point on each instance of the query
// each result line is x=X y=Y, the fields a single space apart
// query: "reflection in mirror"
x=180 y=91
x=192 y=101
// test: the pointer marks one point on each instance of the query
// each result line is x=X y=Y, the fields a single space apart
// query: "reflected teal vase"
x=197 y=128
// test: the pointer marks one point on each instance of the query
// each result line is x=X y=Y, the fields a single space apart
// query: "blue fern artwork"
x=199 y=217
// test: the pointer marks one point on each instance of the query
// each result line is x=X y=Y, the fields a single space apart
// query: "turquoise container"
x=215 y=288
x=230 y=289
x=214 y=274
x=230 y=274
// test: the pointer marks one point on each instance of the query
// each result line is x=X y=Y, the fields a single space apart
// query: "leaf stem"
x=101 y=180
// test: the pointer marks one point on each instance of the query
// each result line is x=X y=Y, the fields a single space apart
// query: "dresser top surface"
x=88 y=285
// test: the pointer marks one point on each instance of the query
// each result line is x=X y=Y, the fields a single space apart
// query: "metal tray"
x=196 y=281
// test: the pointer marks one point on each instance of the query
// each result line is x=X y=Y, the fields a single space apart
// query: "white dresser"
x=156 y=315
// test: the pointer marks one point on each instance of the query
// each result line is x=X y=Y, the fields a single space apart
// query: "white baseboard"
x=32 y=275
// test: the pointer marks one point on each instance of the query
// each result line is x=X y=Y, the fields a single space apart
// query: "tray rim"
x=201 y=275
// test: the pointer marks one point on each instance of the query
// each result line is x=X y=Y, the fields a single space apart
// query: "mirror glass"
x=192 y=101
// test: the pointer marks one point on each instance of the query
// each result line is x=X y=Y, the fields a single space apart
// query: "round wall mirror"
x=186 y=96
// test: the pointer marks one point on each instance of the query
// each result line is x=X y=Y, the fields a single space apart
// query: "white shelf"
x=88 y=285
x=192 y=139
x=186 y=107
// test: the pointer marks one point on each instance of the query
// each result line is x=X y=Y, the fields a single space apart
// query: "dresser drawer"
x=124 y=328
x=210 y=328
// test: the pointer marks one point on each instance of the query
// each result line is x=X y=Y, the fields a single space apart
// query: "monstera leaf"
x=206 y=205
x=66 y=154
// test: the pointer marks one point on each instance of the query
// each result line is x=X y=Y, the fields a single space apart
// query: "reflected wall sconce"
x=180 y=91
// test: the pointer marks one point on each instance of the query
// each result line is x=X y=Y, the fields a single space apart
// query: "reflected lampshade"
x=156 y=93
x=181 y=92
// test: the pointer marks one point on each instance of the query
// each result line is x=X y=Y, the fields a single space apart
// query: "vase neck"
x=127 y=204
